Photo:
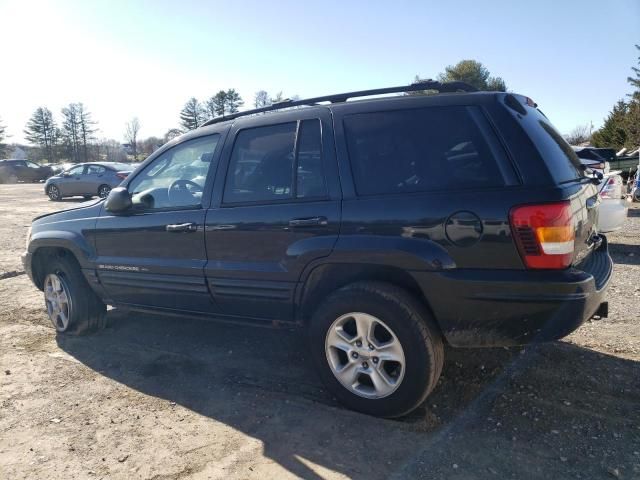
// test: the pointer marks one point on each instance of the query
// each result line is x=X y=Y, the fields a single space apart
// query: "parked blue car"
x=87 y=180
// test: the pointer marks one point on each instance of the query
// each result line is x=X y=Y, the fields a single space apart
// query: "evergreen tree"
x=613 y=133
x=85 y=129
x=233 y=101
x=71 y=131
x=192 y=115
x=474 y=73
x=41 y=130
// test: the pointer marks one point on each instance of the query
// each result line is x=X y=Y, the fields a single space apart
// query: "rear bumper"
x=490 y=308
x=26 y=263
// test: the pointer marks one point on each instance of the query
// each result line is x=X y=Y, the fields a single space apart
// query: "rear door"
x=278 y=210
x=94 y=176
x=426 y=176
x=153 y=255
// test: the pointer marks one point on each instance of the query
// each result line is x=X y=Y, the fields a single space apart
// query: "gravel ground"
x=153 y=397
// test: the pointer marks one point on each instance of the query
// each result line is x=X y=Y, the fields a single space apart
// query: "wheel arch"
x=65 y=244
x=326 y=278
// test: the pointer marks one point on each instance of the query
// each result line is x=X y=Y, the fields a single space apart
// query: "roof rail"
x=343 y=97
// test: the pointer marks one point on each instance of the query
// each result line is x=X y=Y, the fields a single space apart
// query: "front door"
x=154 y=255
x=276 y=213
x=70 y=183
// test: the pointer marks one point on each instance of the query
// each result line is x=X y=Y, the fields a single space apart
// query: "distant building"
x=18 y=154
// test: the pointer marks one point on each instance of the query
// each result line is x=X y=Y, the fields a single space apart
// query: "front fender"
x=77 y=244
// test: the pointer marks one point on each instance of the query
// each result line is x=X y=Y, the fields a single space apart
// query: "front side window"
x=419 y=150
x=176 y=178
x=32 y=165
x=76 y=170
x=276 y=162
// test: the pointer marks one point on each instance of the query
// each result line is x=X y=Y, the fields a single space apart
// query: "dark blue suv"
x=385 y=227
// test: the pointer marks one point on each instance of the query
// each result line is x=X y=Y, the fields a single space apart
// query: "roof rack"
x=447 y=87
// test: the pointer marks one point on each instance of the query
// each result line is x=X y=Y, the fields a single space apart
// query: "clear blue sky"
x=145 y=59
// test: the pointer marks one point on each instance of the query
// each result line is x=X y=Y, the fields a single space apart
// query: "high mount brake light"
x=544 y=234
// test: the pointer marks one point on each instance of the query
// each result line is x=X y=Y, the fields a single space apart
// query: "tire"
x=396 y=312
x=84 y=312
x=103 y=191
x=54 y=193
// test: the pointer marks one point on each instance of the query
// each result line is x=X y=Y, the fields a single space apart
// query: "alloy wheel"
x=365 y=355
x=58 y=301
x=104 y=191
x=54 y=193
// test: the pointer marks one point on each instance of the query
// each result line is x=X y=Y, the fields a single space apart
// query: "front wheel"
x=54 y=193
x=376 y=348
x=72 y=306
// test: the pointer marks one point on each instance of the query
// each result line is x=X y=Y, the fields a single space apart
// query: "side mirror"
x=118 y=200
x=66 y=174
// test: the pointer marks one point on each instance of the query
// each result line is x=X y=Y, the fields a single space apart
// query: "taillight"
x=613 y=188
x=544 y=234
x=122 y=175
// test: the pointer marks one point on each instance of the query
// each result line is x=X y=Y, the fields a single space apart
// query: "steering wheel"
x=179 y=188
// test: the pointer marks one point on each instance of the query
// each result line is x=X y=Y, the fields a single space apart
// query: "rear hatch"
x=577 y=187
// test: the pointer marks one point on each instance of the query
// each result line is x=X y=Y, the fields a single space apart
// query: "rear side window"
x=276 y=162
x=419 y=150
x=559 y=157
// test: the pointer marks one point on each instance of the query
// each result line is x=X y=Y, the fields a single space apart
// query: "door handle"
x=308 y=222
x=182 y=227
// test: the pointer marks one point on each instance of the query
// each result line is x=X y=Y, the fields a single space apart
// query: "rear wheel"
x=54 y=193
x=376 y=348
x=103 y=191
x=72 y=306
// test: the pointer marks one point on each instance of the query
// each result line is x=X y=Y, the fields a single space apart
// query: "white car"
x=613 y=209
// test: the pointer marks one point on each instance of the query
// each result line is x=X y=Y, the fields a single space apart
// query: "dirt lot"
x=152 y=397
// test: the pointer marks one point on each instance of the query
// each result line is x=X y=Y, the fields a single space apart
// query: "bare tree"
x=171 y=134
x=580 y=134
x=131 y=136
x=261 y=99
x=3 y=135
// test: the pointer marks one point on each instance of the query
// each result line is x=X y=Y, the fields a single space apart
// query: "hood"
x=90 y=208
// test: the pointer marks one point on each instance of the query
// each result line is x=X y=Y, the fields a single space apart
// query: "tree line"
x=73 y=138
x=196 y=112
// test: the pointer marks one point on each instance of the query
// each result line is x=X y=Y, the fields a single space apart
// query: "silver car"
x=87 y=180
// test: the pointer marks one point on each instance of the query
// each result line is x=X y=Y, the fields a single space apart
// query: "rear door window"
x=420 y=150
x=276 y=163
x=95 y=170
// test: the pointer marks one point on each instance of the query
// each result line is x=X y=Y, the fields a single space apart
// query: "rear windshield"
x=561 y=160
